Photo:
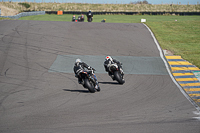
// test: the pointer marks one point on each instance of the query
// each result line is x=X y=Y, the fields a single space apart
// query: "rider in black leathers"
x=89 y=15
x=73 y=18
x=108 y=61
x=79 y=65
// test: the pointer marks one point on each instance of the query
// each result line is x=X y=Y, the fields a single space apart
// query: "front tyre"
x=89 y=85
x=89 y=19
x=118 y=77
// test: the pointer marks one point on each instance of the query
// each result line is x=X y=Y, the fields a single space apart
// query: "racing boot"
x=111 y=75
x=80 y=81
x=97 y=86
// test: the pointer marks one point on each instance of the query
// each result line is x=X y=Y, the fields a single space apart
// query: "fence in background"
x=23 y=14
x=128 y=13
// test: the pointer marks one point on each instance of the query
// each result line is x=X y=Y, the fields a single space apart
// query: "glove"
x=90 y=68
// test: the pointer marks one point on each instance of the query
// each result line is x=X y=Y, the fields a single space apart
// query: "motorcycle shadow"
x=114 y=83
x=81 y=91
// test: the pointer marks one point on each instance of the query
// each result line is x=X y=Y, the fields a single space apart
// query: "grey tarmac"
x=38 y=95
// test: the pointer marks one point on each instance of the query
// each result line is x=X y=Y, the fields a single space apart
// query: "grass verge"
x=5 y=19
x=178 y=34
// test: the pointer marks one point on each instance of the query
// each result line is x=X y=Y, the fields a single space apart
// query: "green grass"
x=5 y=19
x=182 y=37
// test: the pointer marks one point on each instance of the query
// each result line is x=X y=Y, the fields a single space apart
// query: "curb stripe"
x=195 y=96
x=173 y=57
x=192 y=89
x=189 y=76
x=182 y=74
x=187 y=79
x=191 y=86
x=185 y=82
x=176 y=60
x=197 y=100
x=183 y=66
x=182 y=71
x=178 y=63
x=193 y=92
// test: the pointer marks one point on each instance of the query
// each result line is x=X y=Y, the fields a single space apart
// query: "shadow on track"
x=81 y=91
x=114 y=83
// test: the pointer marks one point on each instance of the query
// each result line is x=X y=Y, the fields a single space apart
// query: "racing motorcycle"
x=73 y=18
x=80 y=19
x=88 y=80
x=118 y=73
x=89 y=17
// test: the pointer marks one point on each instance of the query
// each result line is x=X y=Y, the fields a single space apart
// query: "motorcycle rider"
x=89 y=15
x=79 y=66
x=82 y=18
x=73 y=18
x=108 y=61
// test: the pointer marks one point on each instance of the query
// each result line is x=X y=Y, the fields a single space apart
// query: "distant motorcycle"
x=89 y=17
x=118 y=74
x=73 y=18
x=81 y=18
x=88 y=80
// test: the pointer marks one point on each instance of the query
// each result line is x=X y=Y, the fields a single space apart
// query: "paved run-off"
x=131 y=64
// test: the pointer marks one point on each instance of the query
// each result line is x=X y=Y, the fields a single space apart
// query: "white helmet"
x=108 y=58
x=78 y=60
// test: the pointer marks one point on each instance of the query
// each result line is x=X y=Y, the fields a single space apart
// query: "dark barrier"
x=128 y=13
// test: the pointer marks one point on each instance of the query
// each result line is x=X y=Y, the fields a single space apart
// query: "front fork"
x=94 y=79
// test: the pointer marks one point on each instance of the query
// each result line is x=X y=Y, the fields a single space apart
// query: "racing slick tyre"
x=118 y=77
x=89 y=19
x=89 y=85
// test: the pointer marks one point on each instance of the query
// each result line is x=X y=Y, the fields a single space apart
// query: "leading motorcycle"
x=88 y=80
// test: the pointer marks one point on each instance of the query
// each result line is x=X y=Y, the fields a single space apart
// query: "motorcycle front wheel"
x=118 y=77
x=89 y=85
x=89 y=19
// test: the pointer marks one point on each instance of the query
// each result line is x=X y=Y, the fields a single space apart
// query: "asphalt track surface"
x=35 y=99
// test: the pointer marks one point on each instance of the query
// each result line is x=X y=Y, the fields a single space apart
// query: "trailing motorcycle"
x=118 y=73
x=88 y=80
